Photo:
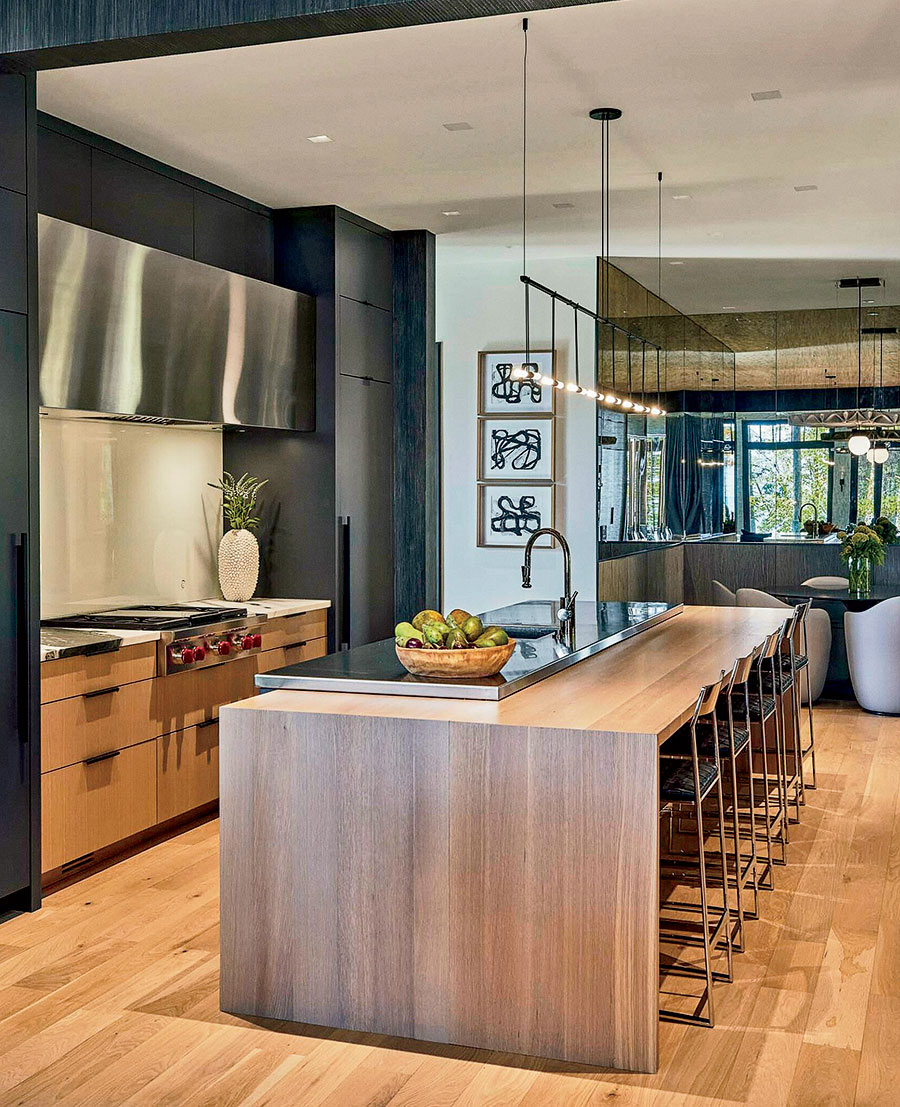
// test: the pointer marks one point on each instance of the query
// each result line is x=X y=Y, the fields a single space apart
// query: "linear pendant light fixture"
x=529 y=370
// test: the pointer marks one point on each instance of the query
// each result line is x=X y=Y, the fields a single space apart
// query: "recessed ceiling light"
x=449 y=213
x=564 y=204
x=868 y=301
x=729 y=307
x=676 y=263
x=319 y=138
x=769 y=94
x=457 y=126
x=806 y=188
x=681 y=196
x=873 y=313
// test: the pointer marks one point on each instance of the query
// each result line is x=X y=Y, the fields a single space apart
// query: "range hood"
x=132 y=331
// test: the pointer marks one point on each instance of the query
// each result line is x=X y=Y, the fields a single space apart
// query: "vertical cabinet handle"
x=23 y=691
x=345 y=583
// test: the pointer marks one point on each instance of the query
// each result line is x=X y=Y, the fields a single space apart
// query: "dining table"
x=852 y=601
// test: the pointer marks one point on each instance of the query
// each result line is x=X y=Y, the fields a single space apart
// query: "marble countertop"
x=57 y=642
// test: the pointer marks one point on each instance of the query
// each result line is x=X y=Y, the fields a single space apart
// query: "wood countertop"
x=646 y=685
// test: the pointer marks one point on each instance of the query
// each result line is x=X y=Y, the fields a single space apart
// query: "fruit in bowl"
x=456 y=646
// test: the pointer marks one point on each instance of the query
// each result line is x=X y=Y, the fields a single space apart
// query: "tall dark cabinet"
x=330 y=529
x=19 y=560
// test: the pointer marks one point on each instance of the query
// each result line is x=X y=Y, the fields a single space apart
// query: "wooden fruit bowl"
x=471 y=663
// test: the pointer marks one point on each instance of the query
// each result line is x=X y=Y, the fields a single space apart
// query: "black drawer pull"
x=101 y=692
x=296 y=645
x=101 y=757
x=206 y=723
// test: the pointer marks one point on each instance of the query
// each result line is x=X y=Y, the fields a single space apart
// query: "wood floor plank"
x=109 y=995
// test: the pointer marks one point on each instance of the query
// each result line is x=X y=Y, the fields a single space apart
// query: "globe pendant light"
x=880 y=455
x=859 y=443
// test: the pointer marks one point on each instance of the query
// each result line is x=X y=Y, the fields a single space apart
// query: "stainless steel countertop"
x=375 y=669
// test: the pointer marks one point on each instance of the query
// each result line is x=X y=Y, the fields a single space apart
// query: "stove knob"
x=223 y=648
x=257 y=641
x=247 y=642
x=199 y=653
x=187 y=655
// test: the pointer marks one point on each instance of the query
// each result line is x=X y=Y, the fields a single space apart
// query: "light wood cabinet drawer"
x=290 y=655
x=195 y=696
x=87 y=807
x=73 y=676
x=294 y=629
x=187 y=764
x=96 y=722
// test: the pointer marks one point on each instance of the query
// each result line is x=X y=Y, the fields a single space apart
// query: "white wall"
x=126 y=514
x=480 y=306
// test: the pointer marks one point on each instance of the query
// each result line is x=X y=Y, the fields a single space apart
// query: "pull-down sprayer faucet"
x=565 y=615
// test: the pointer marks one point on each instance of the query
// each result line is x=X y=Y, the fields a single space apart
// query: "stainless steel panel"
x=130 y=330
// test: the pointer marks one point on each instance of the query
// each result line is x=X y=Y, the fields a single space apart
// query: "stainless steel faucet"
x=565 y=615
x=809 y=503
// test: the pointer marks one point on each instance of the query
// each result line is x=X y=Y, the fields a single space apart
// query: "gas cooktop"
x=152 y=617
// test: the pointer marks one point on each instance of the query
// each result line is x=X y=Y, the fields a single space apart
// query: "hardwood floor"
x=108 y=996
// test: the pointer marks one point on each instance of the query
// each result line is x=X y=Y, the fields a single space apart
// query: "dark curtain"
x=695 y=499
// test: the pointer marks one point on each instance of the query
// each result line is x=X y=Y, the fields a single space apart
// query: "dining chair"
x=722 y=596
x=873 y=654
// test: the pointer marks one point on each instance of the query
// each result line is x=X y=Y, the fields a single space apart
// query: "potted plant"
x=861 y=548
x=239 y=550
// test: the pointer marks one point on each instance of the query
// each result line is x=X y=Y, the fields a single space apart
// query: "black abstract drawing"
x=510 y=391
x=519 y=450
x=517 y=519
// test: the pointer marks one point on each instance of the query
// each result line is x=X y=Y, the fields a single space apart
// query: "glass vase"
x=859 y=570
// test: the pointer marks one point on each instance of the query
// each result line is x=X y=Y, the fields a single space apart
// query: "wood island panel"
x=478 y=873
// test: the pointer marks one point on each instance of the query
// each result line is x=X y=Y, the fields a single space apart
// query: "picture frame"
x=509 y=513
x=499 y=394
x=513 y=448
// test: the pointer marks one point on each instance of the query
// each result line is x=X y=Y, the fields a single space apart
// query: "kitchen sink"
x=527 y=630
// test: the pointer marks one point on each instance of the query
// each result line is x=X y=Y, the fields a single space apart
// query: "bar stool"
x=764 y=708
x=801 y=665
x=687 y=777
x=733 y=734
x=781 y=683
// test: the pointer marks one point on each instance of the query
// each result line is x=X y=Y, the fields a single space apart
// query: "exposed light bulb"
x=570 y=387
x=590 y=393
x=627 y=403
x=858 y=443
x=601 y=397
x=559 y=384
x=548 y=381
x=519 y=372
x=655 y=411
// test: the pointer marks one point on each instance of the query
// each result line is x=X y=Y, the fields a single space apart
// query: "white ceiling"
x=682 y=73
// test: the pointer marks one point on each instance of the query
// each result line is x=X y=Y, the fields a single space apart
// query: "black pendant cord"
x=659 y=178
x=577 y=373
x=525 y=187
x=858 y=340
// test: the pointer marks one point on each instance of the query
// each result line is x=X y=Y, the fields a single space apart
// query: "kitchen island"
x=468 y=871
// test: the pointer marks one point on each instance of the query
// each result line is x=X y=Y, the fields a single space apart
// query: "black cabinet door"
x=135 y=203
x=12 y=134
x=63 y=177
x=365 y=340
x=232 y=237
x=365 y=470
x=13 y=267
x=365 y=264
x=15 y=775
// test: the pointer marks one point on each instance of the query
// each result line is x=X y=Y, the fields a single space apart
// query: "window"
x=785 y=467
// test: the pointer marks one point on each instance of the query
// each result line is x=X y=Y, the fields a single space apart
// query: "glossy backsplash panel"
x=126 y=513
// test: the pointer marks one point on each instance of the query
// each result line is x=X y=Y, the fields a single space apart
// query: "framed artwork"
x=499 y=393
x=508 y=514
x=516 y=449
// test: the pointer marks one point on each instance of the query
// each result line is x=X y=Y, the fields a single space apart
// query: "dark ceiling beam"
x=48 y=34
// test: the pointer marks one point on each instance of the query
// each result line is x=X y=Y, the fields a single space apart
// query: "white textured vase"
x=238 y=565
